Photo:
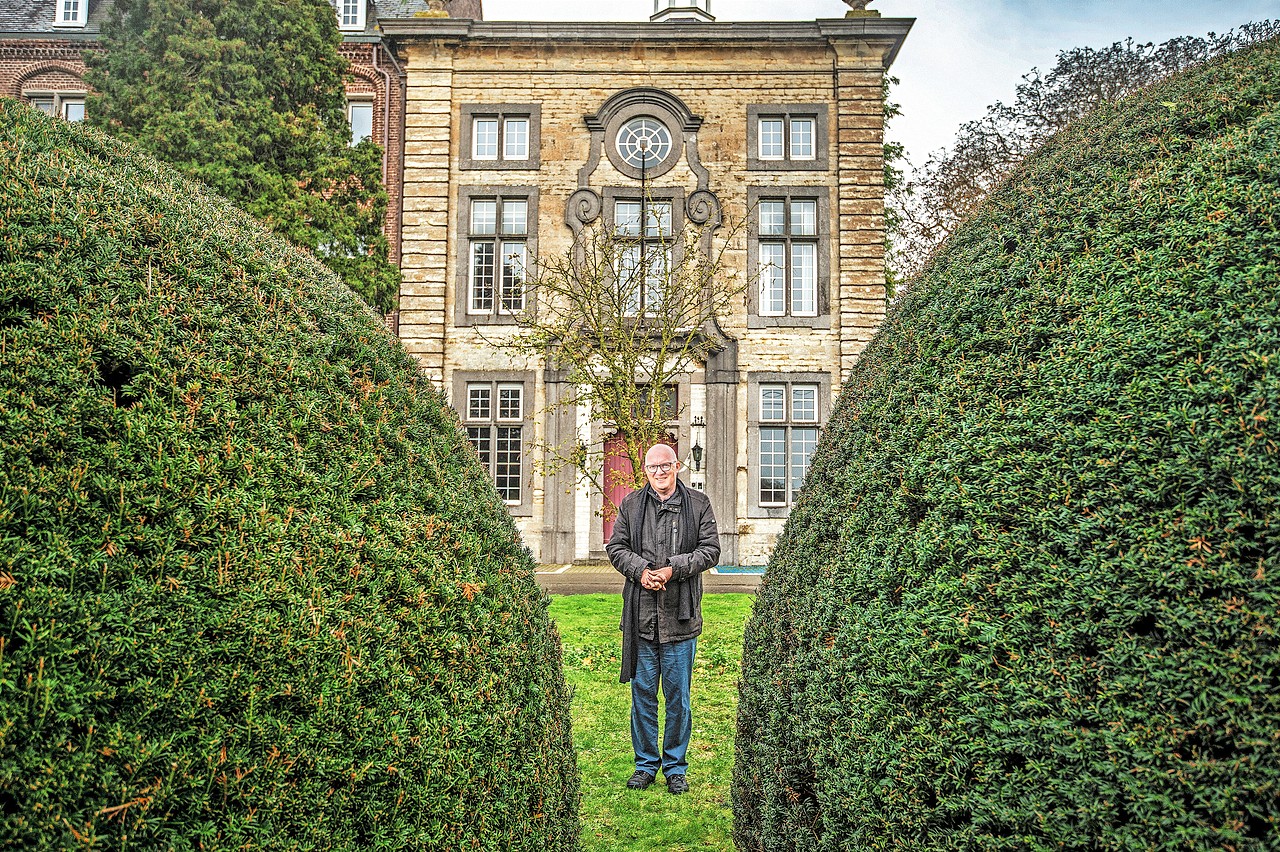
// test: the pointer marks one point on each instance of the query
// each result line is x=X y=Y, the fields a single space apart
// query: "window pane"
x=479 y=400
x=772 y=218
x=515 y=217
x=507 y=459
x=773 y=402
x=484 y=139
x=351 y=12
x=657 y=265
x=481 y=278
x=804 y=218
x=515 y=140
x=773 y=280
x=361 y=116
x=804 y=403
x=658 y=219
x=484 y=216
x=73 y=110
x=45 y=105
x=629 y=280
x=804 y=279
x=773 y=466
x=771 y=144
x=803 y=442
x=513 y=259
x=802 y=138
x=483 y=442
x=510 y=402
x=626 y=218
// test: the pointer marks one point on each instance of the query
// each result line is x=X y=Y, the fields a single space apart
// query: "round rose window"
x=644 y=142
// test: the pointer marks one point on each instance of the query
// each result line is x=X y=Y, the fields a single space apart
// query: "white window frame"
x=492 y=430
x=56 y=101
x=793 y=429
x=504 y=130
x=70 y=13
x=352 y=104
x=356 y=24
x=505 y=242
x=789 y=240
x=656 y=245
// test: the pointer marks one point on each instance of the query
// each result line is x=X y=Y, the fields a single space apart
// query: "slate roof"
x=407 y=8
x=36 y=16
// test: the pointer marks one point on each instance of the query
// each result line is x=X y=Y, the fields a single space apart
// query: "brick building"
x=503 y=139
x=43 y=42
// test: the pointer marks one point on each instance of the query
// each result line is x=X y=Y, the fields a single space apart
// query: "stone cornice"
x=889 y=32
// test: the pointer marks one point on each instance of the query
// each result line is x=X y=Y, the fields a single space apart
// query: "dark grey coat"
x=645 y=537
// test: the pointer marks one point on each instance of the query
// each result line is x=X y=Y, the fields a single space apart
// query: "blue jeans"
x=672 y=664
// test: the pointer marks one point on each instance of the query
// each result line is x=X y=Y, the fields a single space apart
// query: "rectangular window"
x=500 y=138
x=644 y=261
x=360 y=116
x=497 y=433
x=73 y=109
x=515 y=134
x=787 y=137
x=69 y=106
x=351 y=14
x=785 y=443
x=499 y=228
x=484 y=137
x=70 y=13
x=788 y=256
x=772 y=146
x=801 y=138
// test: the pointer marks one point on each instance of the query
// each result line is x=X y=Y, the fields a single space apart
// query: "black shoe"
x=640 y=780
x=677 y=784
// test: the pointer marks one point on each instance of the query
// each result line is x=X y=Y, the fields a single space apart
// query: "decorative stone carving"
x=582 y=209
x=703 y=207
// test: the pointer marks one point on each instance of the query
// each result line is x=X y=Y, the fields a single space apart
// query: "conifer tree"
x=247 y=97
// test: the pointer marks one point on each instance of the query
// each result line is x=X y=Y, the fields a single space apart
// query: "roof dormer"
x=351 y=15
x=70 y=13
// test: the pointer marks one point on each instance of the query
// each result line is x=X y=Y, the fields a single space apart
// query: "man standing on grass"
x=663 y=539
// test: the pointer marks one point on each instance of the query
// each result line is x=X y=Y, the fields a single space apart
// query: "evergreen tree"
x=247 y=97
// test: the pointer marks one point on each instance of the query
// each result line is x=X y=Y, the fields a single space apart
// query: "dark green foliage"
x=247 y=97
x=255 y=590
x=1028 y=599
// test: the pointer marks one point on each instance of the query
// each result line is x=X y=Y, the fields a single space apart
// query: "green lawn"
x=613 y=817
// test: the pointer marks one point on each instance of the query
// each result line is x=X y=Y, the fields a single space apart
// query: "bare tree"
x=951 y=184
x=632 y=305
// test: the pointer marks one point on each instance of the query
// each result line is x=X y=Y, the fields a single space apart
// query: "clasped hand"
x=655 y=580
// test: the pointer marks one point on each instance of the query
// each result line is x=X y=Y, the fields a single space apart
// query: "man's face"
x=660 y=467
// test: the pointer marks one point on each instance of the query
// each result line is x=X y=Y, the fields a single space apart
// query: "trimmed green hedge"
x=1028 y=599
x=255 y=590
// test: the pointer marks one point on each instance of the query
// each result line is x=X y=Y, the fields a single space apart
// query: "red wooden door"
x=617 y=477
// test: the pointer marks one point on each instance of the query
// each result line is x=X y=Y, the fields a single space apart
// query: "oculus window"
x=643 y=142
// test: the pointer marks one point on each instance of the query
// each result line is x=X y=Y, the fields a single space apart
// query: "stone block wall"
x=569 y=75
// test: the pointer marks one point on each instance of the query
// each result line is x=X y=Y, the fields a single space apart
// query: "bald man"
x=663 y=539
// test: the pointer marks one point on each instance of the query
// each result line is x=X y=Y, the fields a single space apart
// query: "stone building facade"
x=518 y=133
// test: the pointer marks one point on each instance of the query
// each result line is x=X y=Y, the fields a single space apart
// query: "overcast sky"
x=961 y=55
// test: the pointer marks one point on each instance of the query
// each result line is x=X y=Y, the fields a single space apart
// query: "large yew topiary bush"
x=255 y=590
x=1028 y=599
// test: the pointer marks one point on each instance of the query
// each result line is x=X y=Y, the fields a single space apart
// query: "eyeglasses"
x=660 y=468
